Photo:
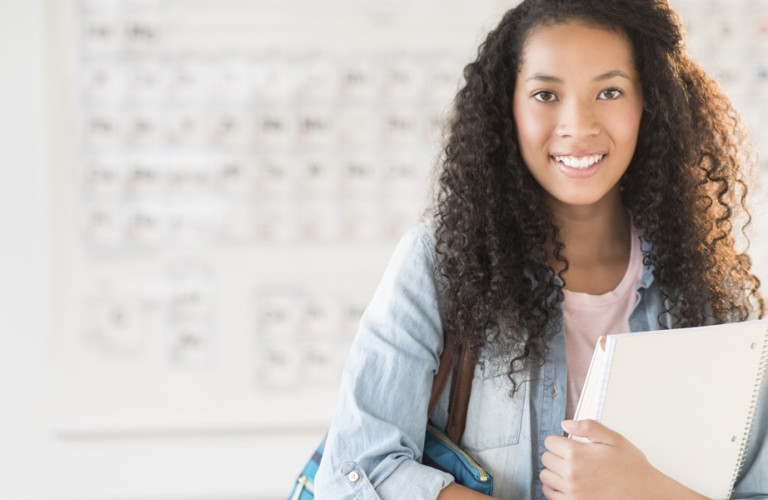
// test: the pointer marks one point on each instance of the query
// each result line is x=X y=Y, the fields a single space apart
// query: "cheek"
x=533 y=129
x=628 y=137
x=627 y=126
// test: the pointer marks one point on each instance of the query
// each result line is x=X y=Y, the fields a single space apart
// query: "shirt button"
x=353 y=477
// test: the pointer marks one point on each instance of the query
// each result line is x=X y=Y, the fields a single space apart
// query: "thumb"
x=594 y=431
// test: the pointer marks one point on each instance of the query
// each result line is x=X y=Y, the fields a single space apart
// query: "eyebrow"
x=553 y=79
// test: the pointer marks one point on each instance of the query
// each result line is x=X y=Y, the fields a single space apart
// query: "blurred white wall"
x=35 y=463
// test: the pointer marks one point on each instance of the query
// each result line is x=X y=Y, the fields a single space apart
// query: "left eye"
x=609 y=94
x=545 y=96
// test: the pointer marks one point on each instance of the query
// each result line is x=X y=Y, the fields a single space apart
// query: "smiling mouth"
x=578 y=162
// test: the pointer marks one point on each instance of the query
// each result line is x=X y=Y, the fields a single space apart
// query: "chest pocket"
x=495 y=415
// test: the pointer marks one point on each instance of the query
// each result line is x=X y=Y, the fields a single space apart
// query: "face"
x=577 y=108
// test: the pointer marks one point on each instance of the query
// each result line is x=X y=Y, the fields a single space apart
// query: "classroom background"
x=198 y=199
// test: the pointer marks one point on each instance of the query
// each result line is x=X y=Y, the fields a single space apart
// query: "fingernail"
x=569 y=425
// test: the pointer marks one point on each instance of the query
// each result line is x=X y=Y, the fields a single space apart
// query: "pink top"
x=588 y=317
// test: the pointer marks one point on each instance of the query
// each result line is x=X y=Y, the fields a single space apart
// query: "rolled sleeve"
x=423 y=482
x=376 y=438
x=419 y=481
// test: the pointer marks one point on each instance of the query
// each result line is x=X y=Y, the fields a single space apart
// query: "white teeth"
x=579 y=162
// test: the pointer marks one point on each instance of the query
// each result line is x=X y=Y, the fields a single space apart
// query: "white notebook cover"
x=685 y=397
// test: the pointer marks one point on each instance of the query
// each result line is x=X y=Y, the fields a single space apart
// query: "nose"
x=577 y=119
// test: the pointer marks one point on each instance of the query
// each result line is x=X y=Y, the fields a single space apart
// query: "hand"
x=607 y=467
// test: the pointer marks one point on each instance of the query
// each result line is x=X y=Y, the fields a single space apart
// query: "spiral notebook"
x=686 y=397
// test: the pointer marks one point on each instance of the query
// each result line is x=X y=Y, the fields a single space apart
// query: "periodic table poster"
x=236 y=174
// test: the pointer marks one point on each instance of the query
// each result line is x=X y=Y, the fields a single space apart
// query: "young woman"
x=591 y=184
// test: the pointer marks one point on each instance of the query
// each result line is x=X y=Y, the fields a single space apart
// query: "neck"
x=597 y=245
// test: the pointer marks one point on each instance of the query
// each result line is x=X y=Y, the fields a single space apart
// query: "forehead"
x=575 y=43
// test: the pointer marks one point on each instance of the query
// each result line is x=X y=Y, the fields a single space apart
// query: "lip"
x=578 y=173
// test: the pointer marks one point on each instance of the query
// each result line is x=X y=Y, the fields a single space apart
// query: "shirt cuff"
x=420 y=481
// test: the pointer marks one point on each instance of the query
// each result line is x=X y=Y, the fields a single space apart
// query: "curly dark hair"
x=685 y=188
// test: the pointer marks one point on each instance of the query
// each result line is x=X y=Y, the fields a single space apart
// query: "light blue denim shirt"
x=374 y=445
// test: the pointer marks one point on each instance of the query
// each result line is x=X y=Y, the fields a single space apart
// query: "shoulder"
x=424 y=231
x=411 y=273
x=418 y=243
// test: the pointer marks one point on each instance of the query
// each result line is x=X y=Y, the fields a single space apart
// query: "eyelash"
x=538 y=95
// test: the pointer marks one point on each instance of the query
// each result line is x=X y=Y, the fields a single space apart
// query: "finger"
x=552 y=494
x=551 y=479
x=553 y=462
x=559 y=445
x=595 y=432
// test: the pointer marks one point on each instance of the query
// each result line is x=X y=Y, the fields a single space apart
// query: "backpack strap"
x=462 y=388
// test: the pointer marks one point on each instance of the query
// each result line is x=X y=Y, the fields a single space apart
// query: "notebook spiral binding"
x=762 y=372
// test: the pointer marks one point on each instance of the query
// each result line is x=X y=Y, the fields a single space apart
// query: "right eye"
x=545 y=96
